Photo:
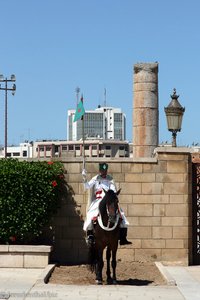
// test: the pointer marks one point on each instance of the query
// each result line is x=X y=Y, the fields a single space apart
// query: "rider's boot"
x=122 y=237
x=90 y=237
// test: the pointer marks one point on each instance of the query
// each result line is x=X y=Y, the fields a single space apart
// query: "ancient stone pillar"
x=145 y=109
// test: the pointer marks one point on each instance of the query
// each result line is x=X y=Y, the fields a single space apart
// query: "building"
x=104 y=136
x=24 y=150
x=105 y=123
x=89 y=148
x=47 y=149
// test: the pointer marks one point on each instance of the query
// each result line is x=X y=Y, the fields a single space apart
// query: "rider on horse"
x=99 y=183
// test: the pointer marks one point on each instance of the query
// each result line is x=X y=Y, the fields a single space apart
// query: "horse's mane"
x=109 y=195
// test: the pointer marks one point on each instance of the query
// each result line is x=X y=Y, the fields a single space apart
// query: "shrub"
x=29 y=194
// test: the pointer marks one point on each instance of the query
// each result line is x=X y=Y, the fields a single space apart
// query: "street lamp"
x=174 y=114
x=6 y=89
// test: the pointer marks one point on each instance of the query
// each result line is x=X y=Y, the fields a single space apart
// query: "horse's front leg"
x=108 y=273
x=114 y=264
x=99 y=267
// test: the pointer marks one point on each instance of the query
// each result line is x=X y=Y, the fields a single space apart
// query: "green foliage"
x=29 y=194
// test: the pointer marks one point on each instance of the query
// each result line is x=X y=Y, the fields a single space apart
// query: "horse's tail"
x=92 y=258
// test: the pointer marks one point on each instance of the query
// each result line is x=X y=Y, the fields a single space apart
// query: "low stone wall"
x=156 y=195
x=24 y=256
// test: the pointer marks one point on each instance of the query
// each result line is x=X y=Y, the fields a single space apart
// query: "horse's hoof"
x=109 y=281
x=114 y=281
x=99 y=282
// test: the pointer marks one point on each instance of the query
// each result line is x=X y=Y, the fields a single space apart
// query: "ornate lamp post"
x=174 y=114
x=6 y=89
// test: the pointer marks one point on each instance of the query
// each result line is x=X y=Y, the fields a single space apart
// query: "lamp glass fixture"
x=174 y=113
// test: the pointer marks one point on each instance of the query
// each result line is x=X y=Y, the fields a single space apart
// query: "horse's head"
x=111 y=202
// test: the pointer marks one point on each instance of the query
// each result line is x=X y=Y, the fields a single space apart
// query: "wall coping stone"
x=4 y=248
x=110 y=159
x=168 y=149
x=25 y=248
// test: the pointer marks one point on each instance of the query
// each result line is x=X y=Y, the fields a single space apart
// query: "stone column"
x=145 y=109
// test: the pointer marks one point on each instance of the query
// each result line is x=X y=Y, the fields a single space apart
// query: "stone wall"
x=24 y=256
x=156 y=197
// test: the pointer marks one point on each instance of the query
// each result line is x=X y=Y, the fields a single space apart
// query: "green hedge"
x=29 y=194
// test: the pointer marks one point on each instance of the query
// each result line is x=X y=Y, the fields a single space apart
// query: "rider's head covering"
x=103 y=167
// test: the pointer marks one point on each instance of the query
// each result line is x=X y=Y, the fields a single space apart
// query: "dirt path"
x=128 y=273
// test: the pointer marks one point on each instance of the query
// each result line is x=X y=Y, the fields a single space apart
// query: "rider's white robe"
x=97 y=185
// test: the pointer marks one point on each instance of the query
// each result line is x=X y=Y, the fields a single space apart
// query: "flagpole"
x=83 y=137
x=79 y=115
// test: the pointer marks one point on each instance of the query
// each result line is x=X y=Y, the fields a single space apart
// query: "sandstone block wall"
x=156 y=198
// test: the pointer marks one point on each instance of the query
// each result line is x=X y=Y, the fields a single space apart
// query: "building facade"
x=106 y=123
x=90 y=148
x=23 y=150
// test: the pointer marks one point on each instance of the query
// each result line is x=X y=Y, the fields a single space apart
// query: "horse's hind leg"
x=108 y=273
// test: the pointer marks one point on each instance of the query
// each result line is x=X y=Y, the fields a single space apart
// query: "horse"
x=106 y=233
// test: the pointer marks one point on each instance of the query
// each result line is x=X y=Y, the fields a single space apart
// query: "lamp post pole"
x=174 y=134
x=6 y=89
x=6 y=119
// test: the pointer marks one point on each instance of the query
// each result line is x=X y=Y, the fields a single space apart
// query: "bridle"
x=113 y=217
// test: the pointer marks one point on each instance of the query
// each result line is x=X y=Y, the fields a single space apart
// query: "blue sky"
x=54 y=46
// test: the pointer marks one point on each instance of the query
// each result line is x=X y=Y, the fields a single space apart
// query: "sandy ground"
x=128 y=273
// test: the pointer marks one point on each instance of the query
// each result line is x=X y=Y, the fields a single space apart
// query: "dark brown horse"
x=106 y=231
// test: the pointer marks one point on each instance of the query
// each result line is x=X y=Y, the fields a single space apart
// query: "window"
x=24 y=153
x=118 y=126
x=16 y=153
x=93 y=126
x=108 y=151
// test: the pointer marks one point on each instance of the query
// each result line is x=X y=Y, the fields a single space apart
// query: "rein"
x=107 y=228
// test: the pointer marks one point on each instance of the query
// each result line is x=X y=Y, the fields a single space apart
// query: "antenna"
x=104 y=96
x=77 y=94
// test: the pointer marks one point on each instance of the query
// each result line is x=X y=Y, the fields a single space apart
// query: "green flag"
x=80 y=111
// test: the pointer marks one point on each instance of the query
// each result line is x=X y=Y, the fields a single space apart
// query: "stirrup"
x=124 y=242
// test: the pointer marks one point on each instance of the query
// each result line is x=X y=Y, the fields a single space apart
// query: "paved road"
x=184 y=283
